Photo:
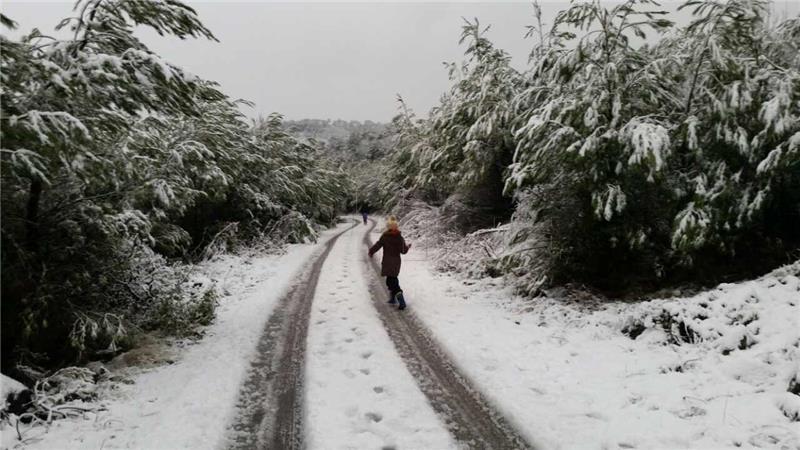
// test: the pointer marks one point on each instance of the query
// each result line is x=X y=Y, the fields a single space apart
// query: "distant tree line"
x=359 y=148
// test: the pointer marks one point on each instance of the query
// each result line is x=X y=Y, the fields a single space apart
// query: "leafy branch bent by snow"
x=119 y=170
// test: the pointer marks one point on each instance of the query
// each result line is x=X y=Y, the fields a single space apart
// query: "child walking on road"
x=393 y=246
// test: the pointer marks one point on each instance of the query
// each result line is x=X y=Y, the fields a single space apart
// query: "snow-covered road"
x=270 y=406
x=468 y=365
x=359 y=394
x=372 y=375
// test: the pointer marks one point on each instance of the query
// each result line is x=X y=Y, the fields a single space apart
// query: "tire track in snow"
x=466 y=413
x=270 y=404
x=360 y=394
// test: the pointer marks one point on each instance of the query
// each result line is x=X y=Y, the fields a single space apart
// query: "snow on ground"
x=187 y=404
x=9 y=386
x=568 y=377
x=359 y=393
x=707 y=371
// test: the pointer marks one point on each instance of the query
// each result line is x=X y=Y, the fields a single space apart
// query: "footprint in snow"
x=366 y=355
x=378 y=389
x=349 y=373
x=596 y=415
x=373 y=416
x=364 y=371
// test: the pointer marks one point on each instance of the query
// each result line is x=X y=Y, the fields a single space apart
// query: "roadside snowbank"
x=188 y=404
x=707 y=371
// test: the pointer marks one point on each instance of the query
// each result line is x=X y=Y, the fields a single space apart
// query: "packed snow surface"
x=359 y=393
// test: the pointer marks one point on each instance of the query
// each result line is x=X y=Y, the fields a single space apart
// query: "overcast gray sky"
x=330 y=59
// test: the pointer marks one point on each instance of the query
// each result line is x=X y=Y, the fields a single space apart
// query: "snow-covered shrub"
x=192 y=304
x=420 y=221
x=530 y=250
x=295 y=227
x=465 y=145
x=748 y=329
x=790 y=406
x=470 y=139
x=738 y=128
x=76 y=194
x=591 y=154
x=789 y=403
x=630 y=165
x=439 y=236
x=412 y=149
x=729 y=318
x=68 y=392
x=111 y=154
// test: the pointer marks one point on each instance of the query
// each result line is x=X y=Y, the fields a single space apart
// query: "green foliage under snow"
x=629 y=166
x=113 y=161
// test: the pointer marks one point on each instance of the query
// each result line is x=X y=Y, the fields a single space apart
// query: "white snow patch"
x=649 y=142
x=8 y=386
x=566 y=375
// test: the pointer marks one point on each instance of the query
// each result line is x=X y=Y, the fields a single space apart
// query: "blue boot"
x=400 y=300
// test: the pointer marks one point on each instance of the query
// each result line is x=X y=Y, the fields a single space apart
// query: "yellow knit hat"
x=391 y=223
